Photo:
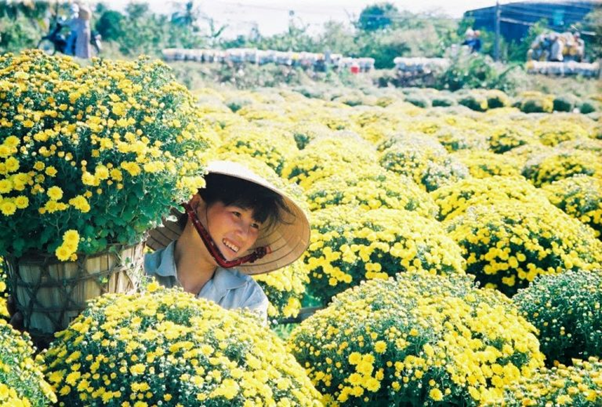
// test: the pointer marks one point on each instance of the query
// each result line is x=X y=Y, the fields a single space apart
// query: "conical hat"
x=287 y=240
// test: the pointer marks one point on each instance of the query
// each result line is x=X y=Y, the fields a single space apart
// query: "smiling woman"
x=238 y=225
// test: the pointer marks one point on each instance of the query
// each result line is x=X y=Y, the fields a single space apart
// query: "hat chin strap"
x=257 y=254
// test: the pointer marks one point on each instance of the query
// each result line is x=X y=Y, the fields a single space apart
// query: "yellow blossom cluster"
x=276 y=150
x=456 y=199
x=416 y=339
x=483 y=164
x=561 y=385
x=21 y=380
x=555 y=164
x=170 y=348
x=507 y=244
x=566 y=310
x=553 y=130
x=66 y=251
x=503 y=138
x=328 y=156
x=456 y=140
x=82 y=146
x=425 y=161
x=350 y=245
x=371 y=188
x=579 y=196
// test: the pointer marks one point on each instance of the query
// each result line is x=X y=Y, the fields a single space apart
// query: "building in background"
x=517 y=18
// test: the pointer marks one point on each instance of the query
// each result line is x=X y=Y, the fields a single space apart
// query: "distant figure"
x=472 y=40
x=557 y=48
x=476 y=43
x=73 y=23
x=83 y=33
x=576 y=48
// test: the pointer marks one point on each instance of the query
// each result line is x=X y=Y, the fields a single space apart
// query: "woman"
x=238 y=225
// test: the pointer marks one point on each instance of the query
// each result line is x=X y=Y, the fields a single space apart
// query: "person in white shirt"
x=238 y=225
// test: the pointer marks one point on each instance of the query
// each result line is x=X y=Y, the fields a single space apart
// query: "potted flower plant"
x=91 y=157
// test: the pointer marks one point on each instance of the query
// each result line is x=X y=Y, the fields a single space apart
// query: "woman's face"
x=232 y=228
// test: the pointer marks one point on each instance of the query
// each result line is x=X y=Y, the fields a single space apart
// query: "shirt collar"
x=223 y=279
x=228 y=279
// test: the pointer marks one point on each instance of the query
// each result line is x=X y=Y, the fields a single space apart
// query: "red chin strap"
x=214 y=250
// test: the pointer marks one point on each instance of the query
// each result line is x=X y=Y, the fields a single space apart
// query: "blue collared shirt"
x=229 y=288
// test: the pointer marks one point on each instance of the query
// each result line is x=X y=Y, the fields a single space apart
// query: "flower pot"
x=50 y=293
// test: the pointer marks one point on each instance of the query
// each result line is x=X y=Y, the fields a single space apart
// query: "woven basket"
x=50 y=293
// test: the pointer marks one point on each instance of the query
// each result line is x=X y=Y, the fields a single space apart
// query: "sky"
x=272 y=16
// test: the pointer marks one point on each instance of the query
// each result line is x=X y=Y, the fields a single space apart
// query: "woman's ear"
x=199 y=206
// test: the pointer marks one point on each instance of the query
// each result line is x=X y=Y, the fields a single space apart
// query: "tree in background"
x=339 y=38
x=377 y=17
x=22 y=24
x=110 y=24
x=593 y=39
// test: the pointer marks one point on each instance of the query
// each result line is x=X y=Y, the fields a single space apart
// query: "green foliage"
x=588 y=106
x=383 y=46
x=536 y=104
x=443 y=101
x=564 y=103
x=475 y=71
x=110 y=25
x=18 y=33
x=474 y=101
x=377 y=16
x=565 y=308
x=497 y=99
x=593 y=23
x=418 y=100
x=517 y=51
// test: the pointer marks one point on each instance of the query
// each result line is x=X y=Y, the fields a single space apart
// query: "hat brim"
x=287 y=240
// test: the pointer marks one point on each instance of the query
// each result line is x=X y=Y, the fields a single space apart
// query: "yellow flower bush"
x=83 y=146
x=586 y=144
x=577 y=385
x=566 y=310
x=525 y=152
x=558 y=164
x=483 y=164
x=504 y=138
x=261 y=111
x=285 y=289
x=21 y=379
x=416 y=340
x=275 y=148
x=455 y=199
x=371 y=189
x=579 y=196
x=305 y=132
x=459 y=139
x=555 y=132
x=350 y=245
x=170 y=348
x=328 y=156
x=426 y=162
x=508 y=244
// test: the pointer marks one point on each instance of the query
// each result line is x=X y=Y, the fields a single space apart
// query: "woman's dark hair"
x=267 y=205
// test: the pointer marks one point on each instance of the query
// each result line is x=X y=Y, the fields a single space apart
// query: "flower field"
x=456 y=254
